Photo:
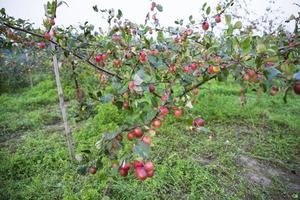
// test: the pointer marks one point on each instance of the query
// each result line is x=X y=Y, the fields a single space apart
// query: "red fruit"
x=151 y=88
x=99 y=58
x=32 y=42
x=218 y=19
x=92 y=170
x=218 y=59
x=153 y=5
x=198 y=122
x=117 y=62
x=104 y=56
x=273 y=92
x=186 y=69
x=146 y=140
x=130 y=136
x=51 y=22
x=149 y=166
x=123 y=172
x=150 y=173
x=251 y=73
x=138 y=132
x=205 y=26
x=193 y=66
x=164 y=110
x=47 y=36
x=128 y=55
x=211 y=69
x=138 y=164
x=131 y=85
x=125 y=105
x=41 y=45
x=116 y=38
x=172 y=68
x=178 y=113
x=297 y=88
x=140 y=173
x=126 y=166
x=246 y=77
x=156 y=123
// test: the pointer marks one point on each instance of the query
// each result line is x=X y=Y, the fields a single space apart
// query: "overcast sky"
x=80 y=11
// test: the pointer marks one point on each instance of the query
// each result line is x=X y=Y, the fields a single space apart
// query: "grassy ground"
x=250 y=152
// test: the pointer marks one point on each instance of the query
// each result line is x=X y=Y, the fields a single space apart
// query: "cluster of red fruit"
x=252 y=76
x=141 y=170
x=205 y=25
x=138 y=133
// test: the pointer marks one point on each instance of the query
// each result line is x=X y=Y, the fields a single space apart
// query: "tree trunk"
x=68 y=133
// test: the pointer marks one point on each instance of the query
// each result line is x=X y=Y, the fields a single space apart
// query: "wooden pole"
x=62 y=105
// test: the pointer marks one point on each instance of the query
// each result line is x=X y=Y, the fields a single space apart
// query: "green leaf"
x=204 y=5
x=237 y=25
x=120 y=14
x=272 y=72
x=160 y=36
x=159 y=7
x=142 y=149
x=261 y=48
x=218 y=8
x=95 y=8
x=208 y=10
x=228 y=19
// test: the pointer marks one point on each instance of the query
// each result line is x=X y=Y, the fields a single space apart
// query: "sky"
x=80 y=11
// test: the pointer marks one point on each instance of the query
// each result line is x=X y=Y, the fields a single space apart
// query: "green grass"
x=188 y=164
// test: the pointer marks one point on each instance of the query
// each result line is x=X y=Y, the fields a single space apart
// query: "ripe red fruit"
x=138 y=132
x=131 y=85
x=186 y=69
x=149 y=166
x=130 y=136
x=156 y=123
x=41 y=45
x=273 y=92
x=138 y=163
x=117 y=62
x=151 y=88
x=251 y=73
x=296 y=88
x=146 y=140
x=153 y=5
x=140 y=173
x=116 y=38
x=92 y=170
x=198 y=122
x=150 y=173
x=211 y=69
x=128 y=55
x=126 y=166
x=246 y=77
x=125 y=105
x=47 y=36
x=99 y=58
x=123 y=172
x=172 y=68
x=51 y=22
x=218 y=19
x=178 y=113
x=193 y=66
x=164 y=110
x=205 y=26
